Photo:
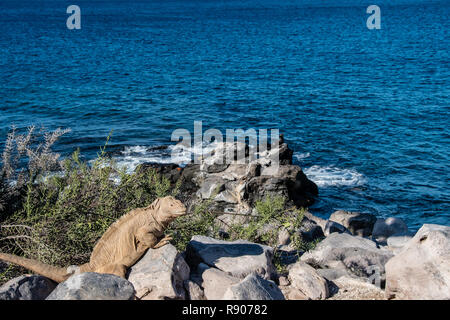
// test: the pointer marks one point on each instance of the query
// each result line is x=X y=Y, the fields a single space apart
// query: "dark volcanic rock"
x=170 y=171
x=27 y=287
x=236 y=186
x=310 y=230
x=360 y=224
x=385 y=228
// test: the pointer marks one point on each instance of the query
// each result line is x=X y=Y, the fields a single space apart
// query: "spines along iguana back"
x=123 y=219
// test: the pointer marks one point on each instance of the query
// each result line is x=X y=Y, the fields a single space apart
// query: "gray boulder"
x=334 y=227
x=160 y=274
x=384 y=228
x=237 y=258
x=397 y=242
x=210 y=187
x=422 y=269
x=309 y=230
x=359 y=256
x=288 y=181
x=333 y=274
x=213 y=281
x=93 y=286
x=349 y=288
x=360 y=224
x=194 y=291
x=253 y=287
x=317 y=220
x=305 y=283
x=27 y=287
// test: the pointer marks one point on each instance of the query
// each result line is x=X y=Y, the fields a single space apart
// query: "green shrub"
x=271 y=218
x=61 y=214
x=200 y=222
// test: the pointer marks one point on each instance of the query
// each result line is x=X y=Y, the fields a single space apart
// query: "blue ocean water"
x=366 y=111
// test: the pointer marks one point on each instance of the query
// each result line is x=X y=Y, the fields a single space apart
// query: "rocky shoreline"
x=356 y=256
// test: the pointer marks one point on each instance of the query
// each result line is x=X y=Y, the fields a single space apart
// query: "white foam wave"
x=333 y=176
x=133 y=156
x=301 y=156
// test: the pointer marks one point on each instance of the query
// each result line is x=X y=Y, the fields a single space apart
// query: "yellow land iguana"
x=121 y=246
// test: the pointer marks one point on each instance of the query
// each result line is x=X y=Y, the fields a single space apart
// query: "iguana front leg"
x=146 y=239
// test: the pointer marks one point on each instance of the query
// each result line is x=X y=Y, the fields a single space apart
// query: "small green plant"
x=202 y=221
x=264 y=226
x=278 y=263
x=271 y=218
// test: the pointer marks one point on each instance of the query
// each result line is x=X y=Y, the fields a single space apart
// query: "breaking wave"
x=301 y=156
x=133 y=156
x=333 y=176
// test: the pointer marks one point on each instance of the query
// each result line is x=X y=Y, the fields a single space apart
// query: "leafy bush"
x=25 y=158
x=63 y=207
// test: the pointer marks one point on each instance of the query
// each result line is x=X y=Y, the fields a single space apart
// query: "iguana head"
x=168 y=209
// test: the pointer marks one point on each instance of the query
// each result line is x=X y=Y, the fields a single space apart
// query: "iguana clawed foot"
x=163 y=242
x=73 y=270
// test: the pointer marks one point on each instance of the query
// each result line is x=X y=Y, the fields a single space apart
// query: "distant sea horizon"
x=365 y=111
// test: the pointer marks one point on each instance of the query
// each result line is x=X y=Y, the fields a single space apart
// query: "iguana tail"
x=55 y=273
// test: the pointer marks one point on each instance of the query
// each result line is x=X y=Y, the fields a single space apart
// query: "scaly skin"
x=121 y=246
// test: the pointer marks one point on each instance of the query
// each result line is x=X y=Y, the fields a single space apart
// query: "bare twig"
x=16 y=237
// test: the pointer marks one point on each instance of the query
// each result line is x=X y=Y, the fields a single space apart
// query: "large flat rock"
x=357 y=255
x=236 y=258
